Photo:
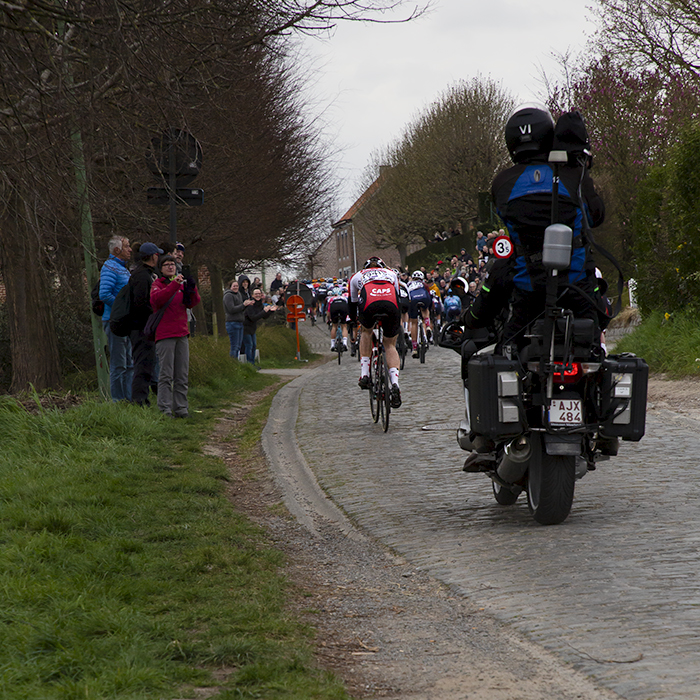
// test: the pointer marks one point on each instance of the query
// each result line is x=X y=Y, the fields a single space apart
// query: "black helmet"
x=529 y=131
x=374 y=261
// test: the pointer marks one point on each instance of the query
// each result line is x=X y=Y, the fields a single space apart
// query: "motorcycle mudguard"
x=562 y=444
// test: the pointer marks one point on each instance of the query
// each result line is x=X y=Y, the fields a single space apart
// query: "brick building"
x=352 y=241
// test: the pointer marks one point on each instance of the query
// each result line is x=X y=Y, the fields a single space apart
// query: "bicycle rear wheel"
x=422 y=345
x=373 y=389
x=386 y=394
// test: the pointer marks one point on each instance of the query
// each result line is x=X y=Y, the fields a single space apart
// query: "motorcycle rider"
x=523 y=198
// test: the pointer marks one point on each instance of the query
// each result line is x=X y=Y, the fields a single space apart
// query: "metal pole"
x=171 y=191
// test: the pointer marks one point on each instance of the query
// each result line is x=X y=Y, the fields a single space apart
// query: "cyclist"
x=337 y=313
x=453 y=306
x=419 y=302
x=321 y=294
x=374 y=291
x=403 y=304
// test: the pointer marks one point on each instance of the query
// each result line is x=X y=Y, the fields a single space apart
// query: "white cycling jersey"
x=371 y=274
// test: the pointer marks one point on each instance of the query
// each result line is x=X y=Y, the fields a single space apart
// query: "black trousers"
x=145 y=376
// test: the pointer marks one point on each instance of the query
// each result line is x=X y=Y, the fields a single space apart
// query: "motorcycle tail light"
x=569 y=376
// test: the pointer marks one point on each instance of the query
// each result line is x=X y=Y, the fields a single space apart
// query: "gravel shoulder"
x=388 y=629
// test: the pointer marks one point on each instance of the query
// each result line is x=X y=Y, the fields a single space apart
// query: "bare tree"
x=82 y=88
x=664 y=34
x=440 y=164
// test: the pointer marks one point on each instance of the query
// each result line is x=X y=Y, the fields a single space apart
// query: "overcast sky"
x=371 y=80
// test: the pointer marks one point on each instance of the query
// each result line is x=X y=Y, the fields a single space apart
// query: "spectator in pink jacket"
x=172 y=344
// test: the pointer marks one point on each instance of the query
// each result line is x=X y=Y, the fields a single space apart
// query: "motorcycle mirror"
x=556 y=251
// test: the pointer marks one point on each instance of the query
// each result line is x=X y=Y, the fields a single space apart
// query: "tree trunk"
x=217 y=298
x=33 y=345
x=200 y=315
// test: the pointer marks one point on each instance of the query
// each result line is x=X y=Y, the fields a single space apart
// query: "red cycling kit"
x=374 y=292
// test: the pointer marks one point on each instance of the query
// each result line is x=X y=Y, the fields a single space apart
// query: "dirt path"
x=388 y=629
x=679 y=395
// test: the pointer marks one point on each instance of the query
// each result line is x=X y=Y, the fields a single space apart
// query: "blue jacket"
x=523 y=198
x=113 y=276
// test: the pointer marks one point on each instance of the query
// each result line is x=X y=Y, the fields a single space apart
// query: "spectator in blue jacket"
x=113 y=276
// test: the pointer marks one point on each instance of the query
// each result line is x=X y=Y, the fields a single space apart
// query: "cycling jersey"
x=418 y=295
x=374 y=291
x=403 y=297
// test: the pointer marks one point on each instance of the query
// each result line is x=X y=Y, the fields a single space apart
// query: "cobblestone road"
x=614 y=590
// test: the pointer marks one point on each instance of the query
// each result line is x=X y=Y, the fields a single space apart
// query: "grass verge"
x=125 y=571
x=670 y=345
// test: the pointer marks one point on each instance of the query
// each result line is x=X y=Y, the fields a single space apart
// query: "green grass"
x=669 y=345
x=124 y=570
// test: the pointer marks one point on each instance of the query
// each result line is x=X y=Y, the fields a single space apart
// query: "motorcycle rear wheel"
x=550 y=486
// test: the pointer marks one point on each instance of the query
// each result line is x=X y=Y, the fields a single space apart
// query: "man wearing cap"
x=143 y=350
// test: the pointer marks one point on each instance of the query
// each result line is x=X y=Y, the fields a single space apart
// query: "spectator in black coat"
x=253 y=315
x=143 y=350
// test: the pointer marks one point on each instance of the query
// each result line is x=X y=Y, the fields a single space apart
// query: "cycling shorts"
x=338 y=311
x=387 y=311
x=404 y=303
x=417 y=297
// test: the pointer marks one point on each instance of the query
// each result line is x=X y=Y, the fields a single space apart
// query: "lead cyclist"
x=374 y=292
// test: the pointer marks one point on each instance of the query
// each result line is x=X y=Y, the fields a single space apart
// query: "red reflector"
x=569 y=376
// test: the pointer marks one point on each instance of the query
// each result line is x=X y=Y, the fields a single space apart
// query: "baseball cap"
x=179 y=246
x=150 y=249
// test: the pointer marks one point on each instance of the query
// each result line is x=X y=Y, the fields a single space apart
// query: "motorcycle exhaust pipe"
x=515 y=460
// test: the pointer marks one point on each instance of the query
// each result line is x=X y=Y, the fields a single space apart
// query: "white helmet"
x=418 y=275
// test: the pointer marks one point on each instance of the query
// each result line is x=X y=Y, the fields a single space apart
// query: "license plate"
x=565 y=412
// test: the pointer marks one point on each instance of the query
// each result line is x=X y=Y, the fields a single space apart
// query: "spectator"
x=257 y=284
x=253 y=315
x=113 y=276
x=234 y=305
x=244 y=287
x=143 y=350
x=276 y=284
x=172 y=344
x=179 y=255
x=480 y=242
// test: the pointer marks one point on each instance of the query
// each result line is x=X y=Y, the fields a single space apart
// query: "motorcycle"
x=543 y=413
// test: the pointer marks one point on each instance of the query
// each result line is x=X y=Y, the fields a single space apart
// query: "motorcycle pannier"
x=623 y=397
x=495 y=403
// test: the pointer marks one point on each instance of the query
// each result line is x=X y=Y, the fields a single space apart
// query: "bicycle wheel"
x=401 y=348
x=381 y=389
x=386 y=394
x=373 y=395
x=422 y=344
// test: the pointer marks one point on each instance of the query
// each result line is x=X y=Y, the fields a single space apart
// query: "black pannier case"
x=495 y=403
x=623 y=397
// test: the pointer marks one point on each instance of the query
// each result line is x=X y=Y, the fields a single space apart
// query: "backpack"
x=120 y=317
x=98 y=306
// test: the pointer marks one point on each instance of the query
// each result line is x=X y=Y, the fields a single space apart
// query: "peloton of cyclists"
x=419 y=302
x=374 y=292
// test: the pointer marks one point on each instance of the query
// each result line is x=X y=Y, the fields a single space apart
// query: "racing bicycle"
x=380 y=384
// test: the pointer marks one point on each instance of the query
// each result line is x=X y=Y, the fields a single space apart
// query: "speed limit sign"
x=502 y=247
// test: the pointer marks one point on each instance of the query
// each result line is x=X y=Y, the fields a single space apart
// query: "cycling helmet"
x=529 y=131
x=417 y=275
x=374 y=261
